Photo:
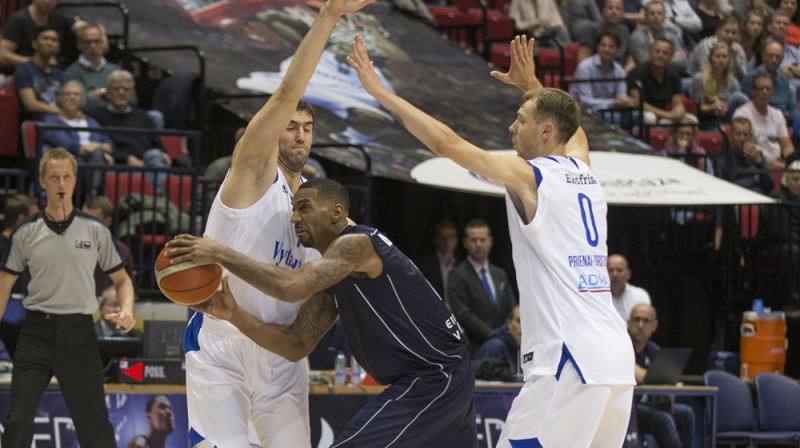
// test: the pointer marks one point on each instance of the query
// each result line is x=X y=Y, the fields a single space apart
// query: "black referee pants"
x=64 y=345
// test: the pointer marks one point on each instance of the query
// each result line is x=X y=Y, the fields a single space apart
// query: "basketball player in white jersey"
x=230 y=380
x=575 y=352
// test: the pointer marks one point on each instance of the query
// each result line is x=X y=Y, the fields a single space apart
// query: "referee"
x=61 y=247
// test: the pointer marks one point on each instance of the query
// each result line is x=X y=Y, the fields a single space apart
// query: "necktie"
x=486 y=285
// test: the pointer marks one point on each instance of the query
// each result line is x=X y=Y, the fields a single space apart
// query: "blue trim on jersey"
x=277 y=176
x=195 y=438
x=538 y=173
x=567 y=356
x=526 y=443
x=573 y=162
x=190 y=342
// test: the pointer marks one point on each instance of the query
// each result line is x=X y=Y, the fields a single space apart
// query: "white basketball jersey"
x=565 y=297
x=263 y=232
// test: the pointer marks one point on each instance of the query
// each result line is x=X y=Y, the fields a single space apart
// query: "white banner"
x=628 y=179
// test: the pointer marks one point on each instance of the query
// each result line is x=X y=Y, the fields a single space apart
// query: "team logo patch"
x=82 y=244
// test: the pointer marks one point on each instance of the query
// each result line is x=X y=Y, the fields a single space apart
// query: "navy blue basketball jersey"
x=396 y=323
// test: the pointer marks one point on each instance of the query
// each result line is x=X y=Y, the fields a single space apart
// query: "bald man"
x=623 y=294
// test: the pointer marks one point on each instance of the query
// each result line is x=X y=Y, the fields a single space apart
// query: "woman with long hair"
x=713 y=88
x=753 y=35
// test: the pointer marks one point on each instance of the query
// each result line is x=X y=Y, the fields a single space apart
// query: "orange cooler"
x=763 y=343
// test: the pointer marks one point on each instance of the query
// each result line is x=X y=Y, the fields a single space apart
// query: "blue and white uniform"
x=402 y=333
x=576 y=355
x=229 y=378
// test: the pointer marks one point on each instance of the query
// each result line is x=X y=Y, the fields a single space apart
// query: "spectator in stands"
x=633 y=14
x=770 y=134
x=504 y=343
x=727 y=32
x=624 y=295
x=140 y=149
x=644 y=36
x=539 y=18
x=21 y=29
x=601 y=65
x=577 y=14
x=710 y=16
x=753 y=36
x=101 y=208
x=672 y=424
x=776 y=30
x=105 y=327
x=793 y=30
x=436 y=265
x=682 y=145
x=715 y=89
x=779 y=232
x=760 y=6
x=89 y=147
x=783 y=96
x=479 y=293
x=657 y=84
x=681 y=19
x=15 y=209
x=740 y=161
x=92 y=68
x=589 y=34
x=36 y=81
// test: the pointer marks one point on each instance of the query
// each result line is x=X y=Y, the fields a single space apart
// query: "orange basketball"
x=187 y=283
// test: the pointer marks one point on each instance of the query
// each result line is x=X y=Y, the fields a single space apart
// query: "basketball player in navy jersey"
x=575 y=353
x=398 y=327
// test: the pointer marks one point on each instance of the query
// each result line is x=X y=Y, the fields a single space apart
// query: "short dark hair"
x=151 y=402
x=663 y=39
x=613 y=36
x=763 y=75
x=15 y=205
x=330 y=190
x=43 y=28
x=477 y=223
x=102 y=203
x=305 y=106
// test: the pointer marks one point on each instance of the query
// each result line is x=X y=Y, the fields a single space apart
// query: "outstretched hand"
x=221 y=305
x=193 y=249
x=342 y=7
x=522 y=72
x=359 y=60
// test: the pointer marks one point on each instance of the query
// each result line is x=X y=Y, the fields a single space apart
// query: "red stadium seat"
x=119 y=184
x=658 y=138
x=711 y=141
x=9 y=123
x=179 y=190
x=28 y=131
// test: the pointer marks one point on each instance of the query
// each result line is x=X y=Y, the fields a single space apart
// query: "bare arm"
x=7 y=281
x=344 y=255
x=293 y=341
x=9 y=55
x=122 y=283
x=255 y=159
x=786 y=145
x=33 y=105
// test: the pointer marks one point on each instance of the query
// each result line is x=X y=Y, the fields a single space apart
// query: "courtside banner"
x=628 y=179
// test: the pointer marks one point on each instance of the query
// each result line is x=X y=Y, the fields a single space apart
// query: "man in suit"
x=479 y=293
x=436 y=265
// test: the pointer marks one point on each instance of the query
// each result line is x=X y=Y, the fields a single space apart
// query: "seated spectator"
x=479 y=293
x=539 y=18
x=783 y=96
x=727 y=32
x=672 y=424
x=657 y=85
x=101 y=208
x=624 y=295
x=715 y=89
x=682 y=145
x=589 y=34
x=793 y=31
x=20 y=30
x=436 y=265
x=577 y=14
x=759 y=6
x=710 y=16
x=633 y=14
x=503 y=344
x=131 y=149
x=740 y=161
x=105 y=326
x=36 y=81
x=645 y=35
x=87 y=146
x=779 y=234
x=769 y=130
x=753 y=36
x=91 y=69
x=681 y=19
x=776 y=30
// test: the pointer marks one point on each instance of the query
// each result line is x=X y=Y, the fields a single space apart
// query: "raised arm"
x=345 y=255
x=438 y=137
x=294 y=341
x=255 y=159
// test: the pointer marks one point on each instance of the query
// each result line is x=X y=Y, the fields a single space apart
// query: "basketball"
x=187 y=283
